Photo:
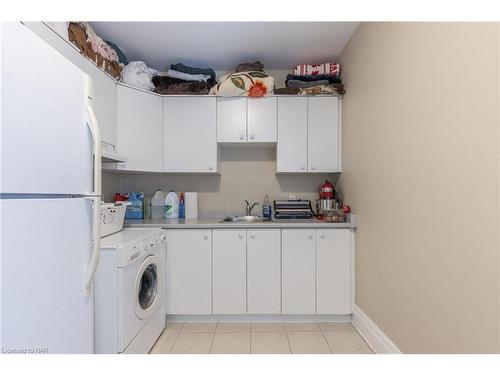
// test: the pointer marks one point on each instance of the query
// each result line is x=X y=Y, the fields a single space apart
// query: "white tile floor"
x=260 y=338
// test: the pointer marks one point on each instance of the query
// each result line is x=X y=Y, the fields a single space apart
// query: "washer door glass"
x=148 y=287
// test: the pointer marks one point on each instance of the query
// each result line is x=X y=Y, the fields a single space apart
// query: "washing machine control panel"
x=141 y=249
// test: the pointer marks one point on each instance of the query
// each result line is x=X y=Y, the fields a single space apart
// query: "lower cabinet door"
x=298 y=271
x=263 y=271
x=189 y=271
x=333 y=271
x=229 y=271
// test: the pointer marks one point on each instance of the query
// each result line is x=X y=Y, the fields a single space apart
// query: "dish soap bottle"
x=172 y=205
x=266 y=208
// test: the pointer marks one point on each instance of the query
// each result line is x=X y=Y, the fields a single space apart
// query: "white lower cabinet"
x=189 y=271
x=333 y=271
x=264 y=271
x=229 y=271
x=298 y=271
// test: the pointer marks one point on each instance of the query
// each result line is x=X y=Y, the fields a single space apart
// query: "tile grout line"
x=288 y=340
x=213 y=339
x=176 y=337
x=327 y=343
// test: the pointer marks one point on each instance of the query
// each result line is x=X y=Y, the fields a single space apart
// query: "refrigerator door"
x=44 y=307
x=46 y=144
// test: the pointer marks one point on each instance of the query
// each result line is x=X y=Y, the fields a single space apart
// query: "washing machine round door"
x=146 y=288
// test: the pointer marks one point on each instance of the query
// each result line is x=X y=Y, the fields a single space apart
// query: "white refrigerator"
x=50 y=182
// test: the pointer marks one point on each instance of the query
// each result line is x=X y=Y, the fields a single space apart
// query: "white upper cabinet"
x=308 y=134
x=104 y=103
x=262 y=120
x=140 y=130
x=333 y=271
x=291 y=155
x=323 y=134
x=231 y=120
x=190 y=135
x=229 y=271
x=246 y=120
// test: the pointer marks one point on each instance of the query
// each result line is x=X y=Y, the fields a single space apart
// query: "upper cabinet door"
x=190 y=135
x=231 y=119
x=262 y=119
x=292 y=134
x=323 y=134
x=140 y=129
x=104 y=103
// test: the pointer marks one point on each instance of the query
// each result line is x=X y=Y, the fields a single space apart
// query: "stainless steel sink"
x=245 y=219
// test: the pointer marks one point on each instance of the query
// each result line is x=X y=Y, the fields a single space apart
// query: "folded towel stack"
x=314 y=80
x=183 y=79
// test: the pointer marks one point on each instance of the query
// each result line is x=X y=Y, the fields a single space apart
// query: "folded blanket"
x=193 y=70
x=137 y=74
x=311 y=78
x=302 y=84
x=256 y=66
x=326 y=68
x=332 y=89
x=254 y=84
x=167 y=86
x=287 y=91
x=187 y=77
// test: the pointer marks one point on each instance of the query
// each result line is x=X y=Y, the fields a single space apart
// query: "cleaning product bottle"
x=158 y=205
x=266 y=208
x=182 y=206
x=134 y=209
x=172 y=205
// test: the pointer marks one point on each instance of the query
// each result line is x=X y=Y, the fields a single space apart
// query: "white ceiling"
x=223 y=45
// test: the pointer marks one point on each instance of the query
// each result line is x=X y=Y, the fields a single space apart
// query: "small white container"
x=172 y=206
x=158 y=205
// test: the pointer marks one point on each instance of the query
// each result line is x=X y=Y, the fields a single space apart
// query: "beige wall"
x=246 y=173
x=421 y=169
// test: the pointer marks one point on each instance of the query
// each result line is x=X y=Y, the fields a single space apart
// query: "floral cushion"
x=254 y=84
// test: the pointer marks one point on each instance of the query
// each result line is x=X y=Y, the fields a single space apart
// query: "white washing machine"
x=130 y=309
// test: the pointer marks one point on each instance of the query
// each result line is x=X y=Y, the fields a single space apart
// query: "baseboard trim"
x=378 y=341
x=259 y=318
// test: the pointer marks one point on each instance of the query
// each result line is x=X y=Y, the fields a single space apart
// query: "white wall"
x=421 y=140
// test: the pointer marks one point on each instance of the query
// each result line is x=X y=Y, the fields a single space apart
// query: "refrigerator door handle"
x=96 y=138
x=96 y=245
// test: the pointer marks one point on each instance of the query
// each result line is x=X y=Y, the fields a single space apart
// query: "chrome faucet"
x=250 y=207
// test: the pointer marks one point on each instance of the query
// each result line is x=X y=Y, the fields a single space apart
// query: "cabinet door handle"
x=240 y=236
x=205 y=236
x=313 y=168
x=252 y=236
x=322 y=235
x=241 y=137
x=310 y=236
x=252 y=137
x=302 y=168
